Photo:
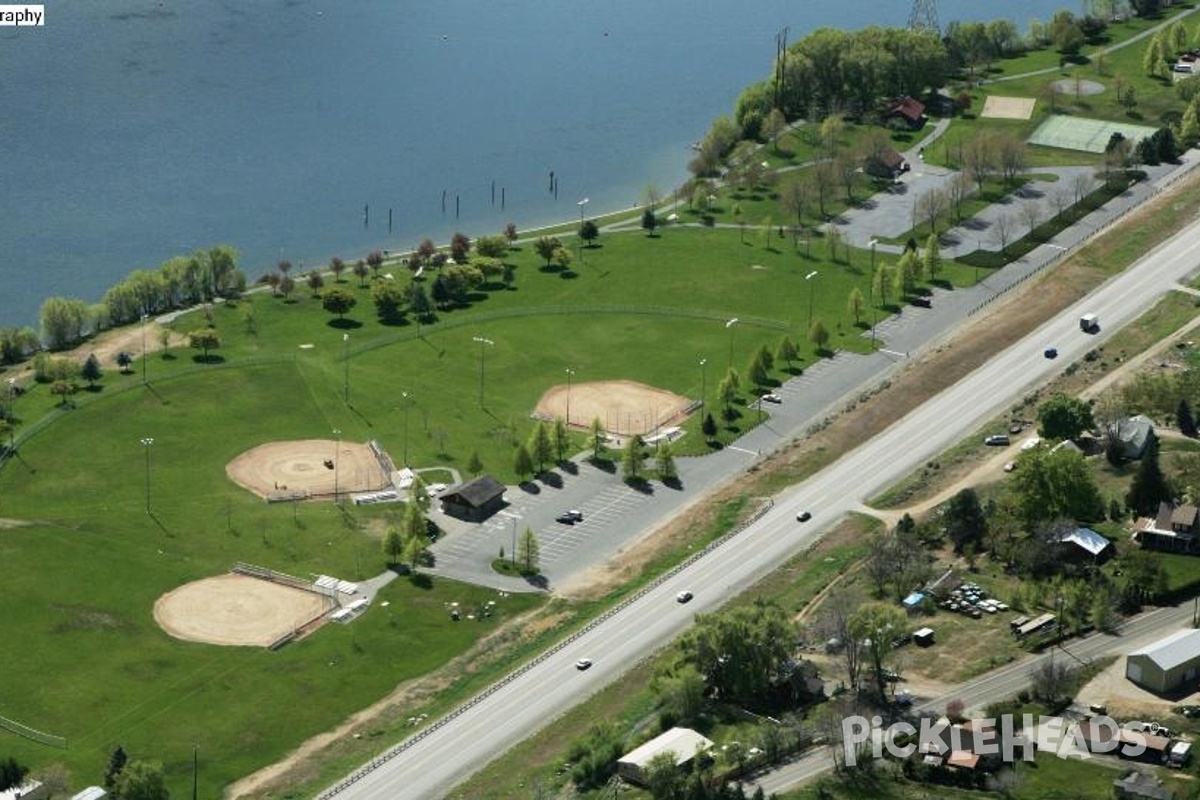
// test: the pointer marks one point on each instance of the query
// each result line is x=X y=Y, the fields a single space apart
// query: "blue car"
x=1051 y=352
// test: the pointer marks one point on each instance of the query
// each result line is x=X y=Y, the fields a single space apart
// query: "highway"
x=429 y=766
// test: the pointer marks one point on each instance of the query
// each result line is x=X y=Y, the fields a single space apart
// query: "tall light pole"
x=808 y=279
x=570 y=372
x=337 y=451
x=146 y=443
x=871 y=291
x=703 y=385
x=195 y=766
x=407 y=403
x=729 y=324
x=144 y=359
x=483 y=343
x=581 y=204
x=346 y=376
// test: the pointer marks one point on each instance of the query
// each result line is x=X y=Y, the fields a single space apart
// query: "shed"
x=1086 y=544
x=683 y=743
x=1168 y=664
x=475 y=500
x=923 y=636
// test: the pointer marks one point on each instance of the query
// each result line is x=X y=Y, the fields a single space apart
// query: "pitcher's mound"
x=624 y=408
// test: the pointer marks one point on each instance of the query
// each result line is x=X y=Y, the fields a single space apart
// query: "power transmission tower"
x=924 y=16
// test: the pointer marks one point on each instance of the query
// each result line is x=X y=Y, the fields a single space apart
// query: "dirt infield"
x=236 y=610
x=998 y=107
x=302 y=469
x=623 y=407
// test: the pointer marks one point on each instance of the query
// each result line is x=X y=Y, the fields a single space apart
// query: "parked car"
x=772 y=398
x=569 y=517
x=583 y=663
x=683 y=596
x=803 y=516
x=923 y=300
x=996 y=440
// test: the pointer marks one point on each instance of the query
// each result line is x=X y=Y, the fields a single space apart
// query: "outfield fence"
x=33 y=735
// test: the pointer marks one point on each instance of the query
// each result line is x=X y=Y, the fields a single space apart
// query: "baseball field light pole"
x=581 y=204
x=811 y=286
x=346 y=376
x=703 y=385
x=729 y=325
x=195 y=768
x=570 y=372
x=337 y=464
x=144 y=359
x=146 y=444
x=483 y=344
x=407 y=403
x=871 y=291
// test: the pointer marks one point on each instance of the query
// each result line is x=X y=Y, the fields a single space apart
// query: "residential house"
x=684 y=744
x=1108 y=739
x=29 y=790
x=1175 y=529
x=906 y=112
x=1130 y=436
x=475 y=500
x=1168 y=664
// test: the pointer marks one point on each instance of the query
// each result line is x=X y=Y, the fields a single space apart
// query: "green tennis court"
x=1080 y=133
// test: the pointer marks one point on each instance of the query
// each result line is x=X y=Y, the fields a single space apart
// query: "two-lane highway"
x=431 y=766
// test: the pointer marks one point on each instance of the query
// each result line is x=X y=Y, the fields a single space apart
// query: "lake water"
x=136 y=130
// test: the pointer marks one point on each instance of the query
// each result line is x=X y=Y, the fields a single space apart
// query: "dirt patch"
x=624 y=408
x=1126 y=700
x=236 y=610
x=308 y=468
x=997 y=107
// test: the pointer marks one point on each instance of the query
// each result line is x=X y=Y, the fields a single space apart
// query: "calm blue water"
x=135 y=130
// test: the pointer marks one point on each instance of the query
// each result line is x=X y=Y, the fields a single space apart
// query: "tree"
x=63 y=321
x=528 y=551
x=540 y=448
x=740 y=651
x=460 y=247
x=818 y=335
x=91 y=371
x=649 y=221
x=1185 y=420
x=727 y=393
x=589 y=232
x=663 y=778
x=562 y=257
x=933 y=257
x=786 y=351
x=597 y=439
x=665 y=462
x=523 y=463
x=287 y=285
x=12 y=774
x=142 y=780
x=62 y=390
x=1064 y=417
x=561 y=438
x=315 y=282
x=1050 y=485
x=204 y=339
x=393 y=545
x=361 y=271
x=123 y=361
x=416 y=531
x=116 y=763
x=855 y=305
x=337 y=267
x=474 y=464
x=1149 y=486
x=964 y=520
x=546 y=246
x=835 y=624
x=708 y=426
x=389 y=299
x=1051 y=682
x=758 y=372
x=878 y=626
x=632 y=459
x=338 y=301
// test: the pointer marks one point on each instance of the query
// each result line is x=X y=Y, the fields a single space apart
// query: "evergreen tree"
x=665 y=458
x=528 y=551
x=1183 y=416
x=786 y=351
x=523 y=463
x=541 y=449
x=474 y=465
x=964 y=520
x=1149 y=486
x=12 y=774
x=933 y=257
x=633 y=458
x=561 y=438
x=116 y=763
x=709 y=426
x=597 y=437
x=393 y=545
x=91 y=370
x=818 y=335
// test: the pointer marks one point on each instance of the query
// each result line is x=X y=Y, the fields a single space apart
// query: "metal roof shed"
x=682 y=743
x=1166 y=664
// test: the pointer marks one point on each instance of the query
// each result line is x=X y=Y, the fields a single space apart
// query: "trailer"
x=1089 y=323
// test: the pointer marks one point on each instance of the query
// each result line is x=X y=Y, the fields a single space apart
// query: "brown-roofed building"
x=887 y=163
x=1175 y=529
x=475 y=500
x=906 y=111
